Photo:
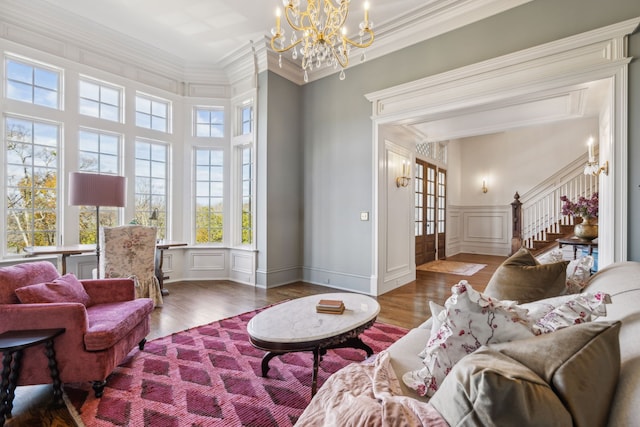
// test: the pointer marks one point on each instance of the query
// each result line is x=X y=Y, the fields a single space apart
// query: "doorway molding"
x=500 y=82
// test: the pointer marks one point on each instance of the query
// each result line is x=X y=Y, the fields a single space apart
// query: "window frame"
x=210 y=123
x=60 y=91
x=168 y=128
x=101 y=85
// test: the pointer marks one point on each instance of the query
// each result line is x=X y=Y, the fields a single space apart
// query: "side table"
x=11 y=345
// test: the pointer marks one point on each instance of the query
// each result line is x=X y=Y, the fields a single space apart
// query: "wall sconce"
x=592 y=167
x=404 y=179
x=484 y=186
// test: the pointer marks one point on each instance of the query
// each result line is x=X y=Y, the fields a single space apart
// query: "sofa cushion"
x=108 y=323
x=572 y=370
x=521 y=278
x=19 y=275
x=469 y=320
x=66 y=288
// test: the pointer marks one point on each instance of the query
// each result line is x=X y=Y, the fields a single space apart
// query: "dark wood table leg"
x=4 y=384
x=55 y=374
x=10 y=369
x=314 y=376
x=265 y=362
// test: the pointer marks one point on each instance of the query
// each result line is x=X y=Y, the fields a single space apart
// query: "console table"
x=576 y=242
x=11 y=345
x=161 y=246
x=68 y=250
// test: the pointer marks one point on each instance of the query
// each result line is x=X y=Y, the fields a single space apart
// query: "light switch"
x=364 y=216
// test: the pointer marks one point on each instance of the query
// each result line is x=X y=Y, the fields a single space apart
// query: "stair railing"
x=541 y=208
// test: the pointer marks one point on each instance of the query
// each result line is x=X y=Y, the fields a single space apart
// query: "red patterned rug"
x=210 y=376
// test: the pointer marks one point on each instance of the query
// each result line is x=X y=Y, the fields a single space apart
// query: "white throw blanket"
x=367 y=394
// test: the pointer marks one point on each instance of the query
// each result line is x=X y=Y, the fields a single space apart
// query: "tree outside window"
x=209 y=171
x=151 y=184
x=99 y=152
x=31 y=180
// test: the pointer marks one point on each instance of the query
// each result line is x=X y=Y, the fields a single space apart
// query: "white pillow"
x=578 y=273
x=469 y=320
x=578 y=270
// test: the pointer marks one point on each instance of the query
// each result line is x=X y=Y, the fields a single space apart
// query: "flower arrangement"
x=586 y=208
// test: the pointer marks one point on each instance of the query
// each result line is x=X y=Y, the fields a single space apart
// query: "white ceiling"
x=208 y=31
x=193 y=29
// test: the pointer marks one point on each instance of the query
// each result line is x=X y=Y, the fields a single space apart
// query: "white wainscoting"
x=479 y=230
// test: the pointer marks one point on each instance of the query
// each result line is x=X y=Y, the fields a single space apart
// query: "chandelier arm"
x=285 y=49
x=342 y=60
x=357 y=44
x=289 y=9
x=341 y=13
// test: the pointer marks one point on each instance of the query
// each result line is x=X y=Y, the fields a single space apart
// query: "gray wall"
x=337 y=130
x=279 y=176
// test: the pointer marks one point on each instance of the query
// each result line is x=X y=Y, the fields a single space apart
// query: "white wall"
x=517 y=160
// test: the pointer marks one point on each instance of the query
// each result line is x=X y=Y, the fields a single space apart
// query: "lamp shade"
x=90 y=189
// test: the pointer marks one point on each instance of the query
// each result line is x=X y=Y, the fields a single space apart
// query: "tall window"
x=99 y=152
x=247 y=192
x=151 y=184
x=209 y=122
x=152 y=113
x=209 y=195
x=33 y=84
x=99 y=100
x=31 y=183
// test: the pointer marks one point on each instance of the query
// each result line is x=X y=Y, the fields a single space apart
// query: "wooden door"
x=430 y=212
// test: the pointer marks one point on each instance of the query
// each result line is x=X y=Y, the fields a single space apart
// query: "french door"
x=430 y=212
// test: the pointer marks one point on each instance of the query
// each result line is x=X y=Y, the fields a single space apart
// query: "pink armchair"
x=98 y=336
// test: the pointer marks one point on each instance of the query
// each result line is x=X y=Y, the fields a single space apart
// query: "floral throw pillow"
x=469 y=320
x=579 y=309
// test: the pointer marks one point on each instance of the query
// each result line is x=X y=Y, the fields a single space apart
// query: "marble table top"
x=297 y=320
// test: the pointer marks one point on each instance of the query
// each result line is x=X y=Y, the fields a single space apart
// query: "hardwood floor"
x=196 y=303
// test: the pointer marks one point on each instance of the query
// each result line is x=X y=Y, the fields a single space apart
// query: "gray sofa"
x=622 y=282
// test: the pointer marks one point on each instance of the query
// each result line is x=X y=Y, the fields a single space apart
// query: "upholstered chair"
x=129 y=251
x=102 y=319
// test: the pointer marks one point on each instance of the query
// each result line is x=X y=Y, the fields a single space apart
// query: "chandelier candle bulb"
x=278 y=13
x=366 y=12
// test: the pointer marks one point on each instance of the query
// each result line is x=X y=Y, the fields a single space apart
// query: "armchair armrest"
x=109 y=290
x=69 y=315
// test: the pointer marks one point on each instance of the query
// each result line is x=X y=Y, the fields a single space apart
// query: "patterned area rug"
x=452 y=267
x=211 y=376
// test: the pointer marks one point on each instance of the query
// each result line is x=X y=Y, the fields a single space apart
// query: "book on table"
x=330 y=306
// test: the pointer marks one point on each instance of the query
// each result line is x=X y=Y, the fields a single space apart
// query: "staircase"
x=540 y=209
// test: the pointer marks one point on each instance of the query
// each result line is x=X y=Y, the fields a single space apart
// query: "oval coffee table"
x=296 y=326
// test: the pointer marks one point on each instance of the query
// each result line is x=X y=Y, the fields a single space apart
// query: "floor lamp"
x=91 y=189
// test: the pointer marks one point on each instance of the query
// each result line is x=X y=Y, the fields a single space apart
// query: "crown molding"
x=47 y=28
x=433 y=19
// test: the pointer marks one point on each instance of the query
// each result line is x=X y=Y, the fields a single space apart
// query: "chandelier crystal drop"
x=319 y=35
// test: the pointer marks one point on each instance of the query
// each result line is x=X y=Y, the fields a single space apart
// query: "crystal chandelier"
x=319 y=35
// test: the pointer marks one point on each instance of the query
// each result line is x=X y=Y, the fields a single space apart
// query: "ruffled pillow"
x=469 y=320
x=66 y=288
x=578 y=309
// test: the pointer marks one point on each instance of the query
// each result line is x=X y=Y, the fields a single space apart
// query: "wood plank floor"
x=196 y=303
